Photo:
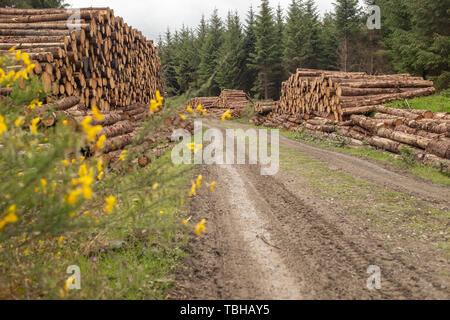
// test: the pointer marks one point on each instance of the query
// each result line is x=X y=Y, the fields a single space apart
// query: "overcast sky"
x=153 y=17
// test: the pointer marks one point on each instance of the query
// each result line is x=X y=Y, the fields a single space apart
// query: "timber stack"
x=205 y=102
x=88 y=53
x=232 y=99
x=120 y=126
x=349 y=105
x=338 y=95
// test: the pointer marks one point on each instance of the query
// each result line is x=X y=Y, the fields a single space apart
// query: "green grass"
x=152 y=241
x=434 y=103
x=401 y=162
x=387 y=209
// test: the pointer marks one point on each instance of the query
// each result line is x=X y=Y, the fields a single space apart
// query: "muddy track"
x=264 y=241
x=368 y=170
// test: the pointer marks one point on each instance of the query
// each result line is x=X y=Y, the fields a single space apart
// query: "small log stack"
x=266 y=107
x=95 y=55
x=338 y=95
x=205 y=102
x=233 y=99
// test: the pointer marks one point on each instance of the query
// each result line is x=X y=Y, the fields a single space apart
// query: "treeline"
x=32 y=4
x=257 y=54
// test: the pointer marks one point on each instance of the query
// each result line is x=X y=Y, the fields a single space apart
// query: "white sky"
x=153 y=17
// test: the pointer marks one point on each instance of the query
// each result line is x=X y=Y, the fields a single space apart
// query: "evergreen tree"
x=264 y=58
x=278 y=68
x=231 y=54
x=210 y=54
x=328 y=44
x=310 y=48
x=248 y=74
x=417 y=36
x=185 y=57
x=348 y=21
x=292 y=37
x=167 y=55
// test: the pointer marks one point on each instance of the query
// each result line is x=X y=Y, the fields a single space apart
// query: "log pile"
x=205 y=102
x=265 y=107
x=95 y=55
x=233 y=99
x=120 y=126
x=338 y=95
x=426 y=133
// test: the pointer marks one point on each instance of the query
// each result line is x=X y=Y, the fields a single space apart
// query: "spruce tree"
x=292 y=37
x=348 y=22
x=328 y=43
x=231 y=54
x=264 y=58
x=248 y=73
x=210 y=54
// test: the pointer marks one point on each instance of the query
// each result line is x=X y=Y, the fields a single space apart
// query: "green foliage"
x=266 y=52
x=26 y=4
x=231 y=53
x=434 y=103
x=210 y=54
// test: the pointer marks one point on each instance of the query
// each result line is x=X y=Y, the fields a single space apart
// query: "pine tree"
x=278 y=67
x=249 y=73
x=347 y=16
x=310 y=50
x=265 y=50
x=167 y=55
x=210 y=54
x=417 y=36
x=328 y=44
x=231 y=54
x=185 y=56
x=292 y=37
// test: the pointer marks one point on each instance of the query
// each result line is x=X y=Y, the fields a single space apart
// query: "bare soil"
x=274 y=237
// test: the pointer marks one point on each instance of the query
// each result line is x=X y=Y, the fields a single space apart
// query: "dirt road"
x=312 y=231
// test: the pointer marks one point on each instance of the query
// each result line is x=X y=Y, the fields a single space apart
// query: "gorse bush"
x=58 y=208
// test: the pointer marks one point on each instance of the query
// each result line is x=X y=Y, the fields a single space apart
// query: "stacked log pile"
x=232 y=99
x=120 y=126
x=95 y=55
x=205 y=102
x=426 y=133
x=339 y=104
x=338 y=95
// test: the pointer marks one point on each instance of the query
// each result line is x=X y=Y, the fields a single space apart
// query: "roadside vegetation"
x=123 y=226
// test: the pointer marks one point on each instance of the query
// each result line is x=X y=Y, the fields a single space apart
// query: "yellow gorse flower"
x=3 y=126
x=200 y=227
x=101 y=142
x=90 y=131
x=193 y=191
x=19 y=121
x=123 y=155
x=199 y=181
x=97 y=115
x=212 y=186
x=10 y=217
x=226 y=115
x=182 y=116
x=189 y=109
x=34 y=124
x=110 y=204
